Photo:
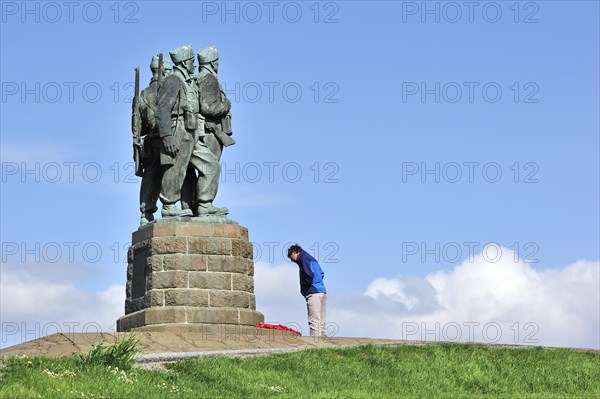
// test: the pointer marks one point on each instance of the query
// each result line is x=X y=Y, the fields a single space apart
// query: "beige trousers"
x=317 y=312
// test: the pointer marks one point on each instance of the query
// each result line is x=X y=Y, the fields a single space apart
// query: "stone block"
x=168 y=279
x=242 y=282
x=248 y=250
x=173 y=262
x=232 y=264
x=198 y=245
x=186 y=297
x=168 y=245
x=210 y=280
x=184 y=262
x=209 y=245
x=222 y=315
x=130 y=321
x=212 y=315
x=194 y=262
x=155 y=298
x=155 y=263
x=194 y=229
x=244 y=233
x=229 y=230
x=241 y=248
x=129 y=270
x=231 y=299
x=164 y=229
x=130 y=254
x=165 y=314
x=250 y=317
x=249 y=267
x=196 y=315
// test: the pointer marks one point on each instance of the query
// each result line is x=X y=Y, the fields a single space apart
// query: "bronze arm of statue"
x=168 y=96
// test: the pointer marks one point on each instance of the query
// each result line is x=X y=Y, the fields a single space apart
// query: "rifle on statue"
x=136 y=126
x=160 y=68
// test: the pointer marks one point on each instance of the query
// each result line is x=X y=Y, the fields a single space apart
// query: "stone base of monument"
x=167 y=346
x=206 y=329
x=190 y=273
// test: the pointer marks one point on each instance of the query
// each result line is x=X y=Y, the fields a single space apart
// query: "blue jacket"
x=311 y=274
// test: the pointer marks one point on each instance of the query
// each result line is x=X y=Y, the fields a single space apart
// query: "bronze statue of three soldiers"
x=180 y=125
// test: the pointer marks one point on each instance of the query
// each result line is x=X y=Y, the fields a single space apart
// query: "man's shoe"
x=173 y=211
x=211 y=210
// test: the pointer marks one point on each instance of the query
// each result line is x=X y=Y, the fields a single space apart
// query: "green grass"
x=432 y=371
x=120 y=354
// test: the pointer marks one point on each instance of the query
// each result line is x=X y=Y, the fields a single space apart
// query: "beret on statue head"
x=181 y=54
x=208 y=55
x=166 y=63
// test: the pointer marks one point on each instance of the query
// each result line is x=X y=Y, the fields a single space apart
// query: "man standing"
x=206 y=156
x=150 y=154
x=312 y=288
x=177 y=118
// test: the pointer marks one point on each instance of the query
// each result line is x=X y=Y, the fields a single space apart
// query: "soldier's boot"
x=191 y=207
x=173 y=211
x=147 y=217
x=211 y=210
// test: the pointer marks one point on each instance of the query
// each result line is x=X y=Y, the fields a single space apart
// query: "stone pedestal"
x=189 y=272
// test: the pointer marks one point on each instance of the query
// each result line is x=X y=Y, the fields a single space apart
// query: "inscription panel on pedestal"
x=138 y=280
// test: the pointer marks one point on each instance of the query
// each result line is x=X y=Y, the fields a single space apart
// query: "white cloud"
x=506 y=302
x=41 y=299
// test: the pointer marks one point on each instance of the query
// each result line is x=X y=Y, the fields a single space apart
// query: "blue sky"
x=391 y=139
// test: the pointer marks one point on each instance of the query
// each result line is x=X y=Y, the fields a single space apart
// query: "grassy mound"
x=431 y=371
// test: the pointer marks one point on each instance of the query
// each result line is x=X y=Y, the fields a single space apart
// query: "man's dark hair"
x=294 y=248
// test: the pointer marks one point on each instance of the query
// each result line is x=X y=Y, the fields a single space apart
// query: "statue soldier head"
x=183 y=56
x=209 y=58
x=167 y=65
